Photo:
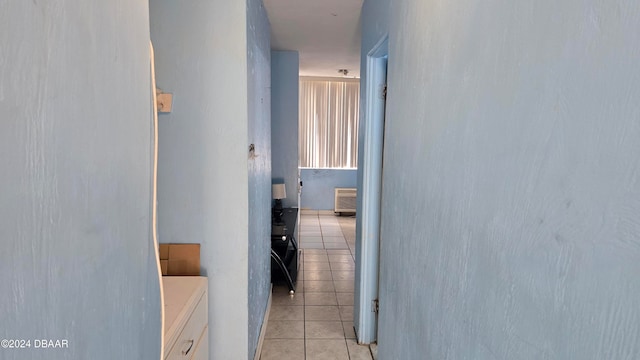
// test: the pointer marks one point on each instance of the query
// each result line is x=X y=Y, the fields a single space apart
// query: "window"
x=329 y=113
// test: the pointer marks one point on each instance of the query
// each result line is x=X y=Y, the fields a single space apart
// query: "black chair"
x=284 y=248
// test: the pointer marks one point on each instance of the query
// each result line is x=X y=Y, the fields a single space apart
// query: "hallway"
x=317 y=322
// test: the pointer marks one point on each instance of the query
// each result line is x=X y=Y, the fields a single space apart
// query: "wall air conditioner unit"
x=345 y=200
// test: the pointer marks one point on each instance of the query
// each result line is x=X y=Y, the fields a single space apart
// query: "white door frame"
x=367 y=258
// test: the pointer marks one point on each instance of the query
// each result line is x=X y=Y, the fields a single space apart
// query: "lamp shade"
x=278 y=191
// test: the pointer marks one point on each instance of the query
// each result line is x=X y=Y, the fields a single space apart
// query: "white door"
x=368 y=221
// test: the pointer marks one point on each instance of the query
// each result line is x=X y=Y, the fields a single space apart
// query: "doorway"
x=368 y=221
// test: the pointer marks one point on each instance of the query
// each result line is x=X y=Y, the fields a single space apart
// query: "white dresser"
x=185 y=318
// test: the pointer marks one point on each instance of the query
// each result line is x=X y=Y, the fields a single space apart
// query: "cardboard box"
x=164 y=251
x=164 y=266
x=180 y=259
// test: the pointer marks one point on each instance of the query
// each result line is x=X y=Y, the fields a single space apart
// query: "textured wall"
x=512 y=181
x=201 y=57
x=77 y=258
x=285 y=66
x=319 y=184
x=259 y=133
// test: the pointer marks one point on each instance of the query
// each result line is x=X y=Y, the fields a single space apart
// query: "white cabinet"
x=202 y=352
x=185 y=318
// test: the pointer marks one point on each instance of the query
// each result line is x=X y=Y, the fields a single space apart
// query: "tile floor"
x=317 y=322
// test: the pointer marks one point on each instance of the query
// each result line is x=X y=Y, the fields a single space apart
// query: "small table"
x=284 y=248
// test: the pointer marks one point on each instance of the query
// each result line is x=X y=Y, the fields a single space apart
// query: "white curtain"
x=329 y=113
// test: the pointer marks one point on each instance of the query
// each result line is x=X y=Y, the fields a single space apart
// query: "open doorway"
x=368 y=222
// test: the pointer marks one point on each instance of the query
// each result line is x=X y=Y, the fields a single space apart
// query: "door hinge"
x=375 y=306
x=383 y=91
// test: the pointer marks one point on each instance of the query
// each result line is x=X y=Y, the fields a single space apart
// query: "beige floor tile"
x=336 y=246
x=349 y=331
x=358 y=352
x=341 y=275
x=286 y=299
x=335 y=241
x=338 y=252
x=319 y=286
x=321 y=298
x=327 y=218
x=311 y=242
x=342 y=266
x=327 y=266
x=321 y=312
x=317 y=266
x=374 y=351
x=314 y=258
x=333 y=230
x=286 y=312
x=341 y=258
x=343 y=286
x=306 y=246
x=310 y=238
x=345 y=298
x=315 y=252
x=311 y=231
x=327 y=350
x=318 y=275
x=333 y=236
x=323 y=330
x=284 y=329
x=312 y=223
x=346 y=313
x=277 y=349
x=329 y=221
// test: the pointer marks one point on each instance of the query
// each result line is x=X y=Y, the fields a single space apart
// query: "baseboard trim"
x=263 y=329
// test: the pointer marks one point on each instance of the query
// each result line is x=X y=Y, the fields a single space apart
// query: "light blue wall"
x=285 y=66
x=77 y=258
x=259 y=96
x=511 y=181
x=318 y=186
x=201 y=57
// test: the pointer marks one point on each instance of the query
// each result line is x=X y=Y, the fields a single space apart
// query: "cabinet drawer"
x=187 y=342
x=202 y=350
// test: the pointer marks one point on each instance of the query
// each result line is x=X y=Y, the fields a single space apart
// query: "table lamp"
x=279 y=192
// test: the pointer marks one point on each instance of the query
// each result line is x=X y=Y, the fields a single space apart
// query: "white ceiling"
x=326 y=33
